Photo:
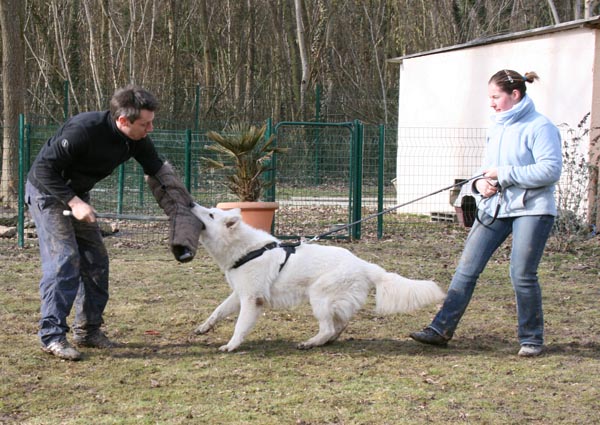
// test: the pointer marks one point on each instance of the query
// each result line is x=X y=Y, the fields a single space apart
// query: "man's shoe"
x=96 y=339
x=429 y=336
x=529 y=350
x=61 y=348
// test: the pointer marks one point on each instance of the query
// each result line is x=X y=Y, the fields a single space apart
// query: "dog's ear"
x=232 y=221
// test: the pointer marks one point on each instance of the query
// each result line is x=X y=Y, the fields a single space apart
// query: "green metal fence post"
x=380 y=175
x=121 y=183
x=318 y=103
x=188 y=159
x=141 y=186
x=357 y=198
x=27 y=141
x=21 y=185
x=197 y=109
x=270 y=175
x=317 y=180
x=197 y=129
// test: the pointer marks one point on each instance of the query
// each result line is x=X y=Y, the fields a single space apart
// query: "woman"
x=522 y=163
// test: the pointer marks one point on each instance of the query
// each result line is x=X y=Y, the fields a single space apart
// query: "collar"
x=516 y=112
x=289 y=248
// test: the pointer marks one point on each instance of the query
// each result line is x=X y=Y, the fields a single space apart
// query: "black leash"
x=498 y=203
x=337 y=229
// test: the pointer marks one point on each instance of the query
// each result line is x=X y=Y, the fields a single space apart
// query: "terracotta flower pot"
x=257 y=214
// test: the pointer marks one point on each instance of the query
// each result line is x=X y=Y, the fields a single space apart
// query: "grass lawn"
x=374 y=374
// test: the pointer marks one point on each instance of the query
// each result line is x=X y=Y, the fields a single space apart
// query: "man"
x=75 y=266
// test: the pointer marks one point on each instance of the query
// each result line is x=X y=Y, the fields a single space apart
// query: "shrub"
x=574 y=191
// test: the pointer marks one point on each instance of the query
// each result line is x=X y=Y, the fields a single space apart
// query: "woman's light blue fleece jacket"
x=526 y=148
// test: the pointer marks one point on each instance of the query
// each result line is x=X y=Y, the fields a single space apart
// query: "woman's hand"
x=491 y=173
x=486 y=187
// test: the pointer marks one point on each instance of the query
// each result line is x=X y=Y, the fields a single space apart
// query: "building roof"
x=581 y=23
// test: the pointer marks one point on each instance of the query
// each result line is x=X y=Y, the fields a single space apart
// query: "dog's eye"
x=211 y=216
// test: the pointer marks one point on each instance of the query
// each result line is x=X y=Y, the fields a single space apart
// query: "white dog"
x=262 y=272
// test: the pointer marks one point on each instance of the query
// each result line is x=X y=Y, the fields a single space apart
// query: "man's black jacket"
x=86 y=149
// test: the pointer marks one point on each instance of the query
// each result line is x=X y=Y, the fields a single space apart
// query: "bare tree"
x=94 y=63
x=303 y=53
x=376 y=38
x=241 y=51
x=554 y=11
x=206 y=43
x=589 y=7
x=13 y=91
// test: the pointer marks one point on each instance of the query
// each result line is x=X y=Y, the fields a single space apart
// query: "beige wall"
x=449 y=90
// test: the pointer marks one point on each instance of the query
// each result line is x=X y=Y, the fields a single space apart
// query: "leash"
x=500 y=194
x=346 y=226
x=290 y=247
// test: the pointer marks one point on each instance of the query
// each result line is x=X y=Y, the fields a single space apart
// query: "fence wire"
x=314 y=181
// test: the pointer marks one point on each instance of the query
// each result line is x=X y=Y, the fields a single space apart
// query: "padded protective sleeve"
x=177 y=202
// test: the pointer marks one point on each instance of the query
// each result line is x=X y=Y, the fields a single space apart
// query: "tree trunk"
x=303 y=55
x=589 y=8
x=553 y=11
x=173 y=21
x=13 y=86
x=94 y=62
x=250 y=59
x=206 y=44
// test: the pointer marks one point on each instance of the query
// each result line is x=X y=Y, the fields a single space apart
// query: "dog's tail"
x=396 y=294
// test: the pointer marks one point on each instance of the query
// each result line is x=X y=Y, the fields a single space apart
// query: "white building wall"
x=448 y=90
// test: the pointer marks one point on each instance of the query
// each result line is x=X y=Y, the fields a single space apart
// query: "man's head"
x=132 y=108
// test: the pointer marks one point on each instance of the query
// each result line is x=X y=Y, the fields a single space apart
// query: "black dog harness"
x=289 y=248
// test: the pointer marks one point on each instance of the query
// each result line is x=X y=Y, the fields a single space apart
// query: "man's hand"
x=81 y=210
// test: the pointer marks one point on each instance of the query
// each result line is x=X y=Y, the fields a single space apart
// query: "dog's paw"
x=226 y=348
x=202 y=329
x=304 y=346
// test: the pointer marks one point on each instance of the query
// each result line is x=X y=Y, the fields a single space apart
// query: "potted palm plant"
x=245 y=155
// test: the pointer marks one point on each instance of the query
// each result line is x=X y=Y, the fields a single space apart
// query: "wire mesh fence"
x=328 y=178
x=314 y=186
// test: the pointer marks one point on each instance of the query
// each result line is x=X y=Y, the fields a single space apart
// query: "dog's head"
x=220 y=226
x=216 y=217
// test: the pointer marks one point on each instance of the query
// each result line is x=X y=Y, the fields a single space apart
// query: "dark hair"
x=508 y=80
x=130 y=100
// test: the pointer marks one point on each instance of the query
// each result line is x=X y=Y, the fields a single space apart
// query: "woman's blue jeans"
x=74 y=269
x=529 y=236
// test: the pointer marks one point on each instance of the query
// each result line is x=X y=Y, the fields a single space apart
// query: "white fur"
x=333 y=280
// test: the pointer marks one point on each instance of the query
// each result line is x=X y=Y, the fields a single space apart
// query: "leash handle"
x=499 y=195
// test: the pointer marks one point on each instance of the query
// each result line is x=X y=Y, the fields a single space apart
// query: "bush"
x=575 y=218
